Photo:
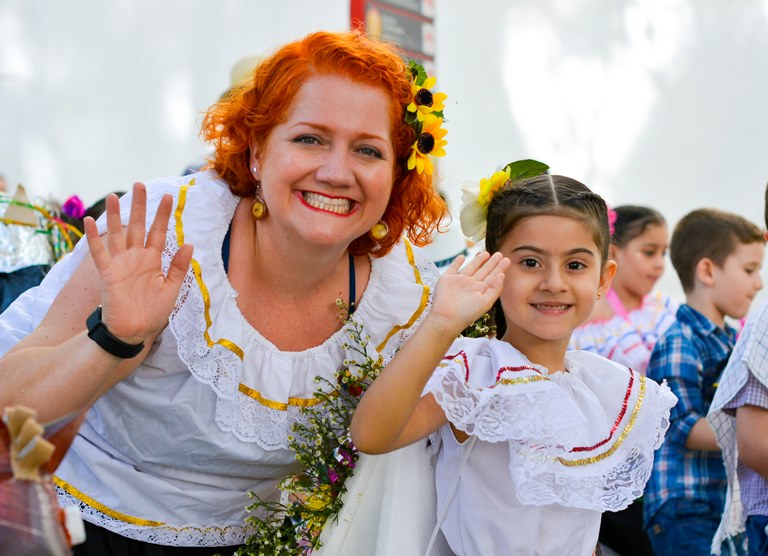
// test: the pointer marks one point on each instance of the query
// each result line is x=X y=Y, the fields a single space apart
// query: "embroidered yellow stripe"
x=197 y=271
x=521 y=380
x=299 y=402
x=102 y=508
x=619 y=440
x=422 y=303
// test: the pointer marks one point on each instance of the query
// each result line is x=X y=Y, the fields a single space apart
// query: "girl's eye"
x=370 y=152
x=576 y=265
x=530 y=263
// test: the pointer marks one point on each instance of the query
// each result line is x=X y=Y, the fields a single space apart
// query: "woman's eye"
x=307 y=140
x=370 y=152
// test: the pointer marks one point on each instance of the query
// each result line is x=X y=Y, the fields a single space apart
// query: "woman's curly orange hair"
x=250 y=112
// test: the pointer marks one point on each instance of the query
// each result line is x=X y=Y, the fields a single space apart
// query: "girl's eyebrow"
x=571 y=252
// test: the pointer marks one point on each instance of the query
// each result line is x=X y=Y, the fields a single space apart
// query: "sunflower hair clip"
x=425 y=115
x=476 y=197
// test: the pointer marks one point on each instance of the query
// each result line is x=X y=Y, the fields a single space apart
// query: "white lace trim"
x=536 y=409
x=188 y=534
x=216 y=360
x=608 y=485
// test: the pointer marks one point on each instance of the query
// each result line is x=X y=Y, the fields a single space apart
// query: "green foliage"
x=327 y=456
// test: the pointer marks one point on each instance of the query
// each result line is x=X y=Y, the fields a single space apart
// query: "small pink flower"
x=612 y=216
x=332 y=475
x=74 y=207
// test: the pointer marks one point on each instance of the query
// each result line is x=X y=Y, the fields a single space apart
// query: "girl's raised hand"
x=136 y=297
x=464 y=294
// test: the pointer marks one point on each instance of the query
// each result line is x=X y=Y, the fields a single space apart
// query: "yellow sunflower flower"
x=425 y=101
x=429 y=142
x=489 y=186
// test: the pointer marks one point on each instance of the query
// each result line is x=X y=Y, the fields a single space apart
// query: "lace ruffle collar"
x=259 y=388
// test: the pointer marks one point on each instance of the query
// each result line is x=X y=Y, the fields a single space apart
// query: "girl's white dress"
x=553 y=451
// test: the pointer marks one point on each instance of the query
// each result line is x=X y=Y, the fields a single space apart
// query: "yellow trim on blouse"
x=422 y=303
x=102 y=508
x=619 y=441
x=256 y=395
x=247 y=390
x=231 y=346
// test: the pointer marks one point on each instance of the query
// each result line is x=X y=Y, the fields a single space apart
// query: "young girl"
x=532 y=443
x=631 y=317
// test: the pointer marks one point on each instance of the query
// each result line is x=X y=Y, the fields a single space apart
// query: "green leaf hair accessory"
x=425 y=115
x=475 y=198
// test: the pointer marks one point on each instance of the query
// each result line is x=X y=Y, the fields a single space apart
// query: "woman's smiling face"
x=326 y=173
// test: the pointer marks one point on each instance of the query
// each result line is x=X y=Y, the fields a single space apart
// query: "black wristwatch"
x=99 y=333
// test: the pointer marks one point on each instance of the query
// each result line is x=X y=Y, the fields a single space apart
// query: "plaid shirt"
x=754 y=488
x=690 y=356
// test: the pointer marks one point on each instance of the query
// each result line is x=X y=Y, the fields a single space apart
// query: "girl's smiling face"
x=553 y=281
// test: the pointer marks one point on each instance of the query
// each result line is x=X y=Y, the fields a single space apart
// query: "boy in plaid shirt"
x=739 y=415
x=717 y=256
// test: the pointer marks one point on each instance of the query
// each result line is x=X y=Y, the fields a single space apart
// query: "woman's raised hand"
x=464 y=294
x=136 y=297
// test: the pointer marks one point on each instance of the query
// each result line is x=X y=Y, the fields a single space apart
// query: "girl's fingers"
x=159 y=227
x=455 y=265
x=476 y=262
x=115 y=235
x=488 y=266
x=99 y=253
x=137 y=221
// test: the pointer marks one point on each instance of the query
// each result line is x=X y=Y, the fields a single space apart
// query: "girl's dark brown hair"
x=632 y=221
x=544 y=195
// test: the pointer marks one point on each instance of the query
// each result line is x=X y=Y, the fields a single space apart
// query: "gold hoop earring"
x=259 y=207
x=380 y=230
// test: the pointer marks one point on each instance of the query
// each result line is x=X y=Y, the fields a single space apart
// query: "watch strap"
x=99 y=333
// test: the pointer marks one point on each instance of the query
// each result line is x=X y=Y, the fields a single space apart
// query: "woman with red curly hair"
x=196 y=360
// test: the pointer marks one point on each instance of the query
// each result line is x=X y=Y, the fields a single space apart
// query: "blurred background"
x=654 y=102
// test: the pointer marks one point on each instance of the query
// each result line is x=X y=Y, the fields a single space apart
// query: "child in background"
x=739 y=416
x=717 y=256
x=628 y=321
x=532 y=443
x=624 y=326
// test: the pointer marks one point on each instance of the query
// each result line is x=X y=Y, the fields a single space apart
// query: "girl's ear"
x=606 y=277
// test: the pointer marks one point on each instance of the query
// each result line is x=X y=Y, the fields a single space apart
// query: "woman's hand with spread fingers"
x=136 y=296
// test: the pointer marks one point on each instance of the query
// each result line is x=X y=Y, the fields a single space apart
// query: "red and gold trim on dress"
x=462 y=359
x=237 y=350
x=624 y=433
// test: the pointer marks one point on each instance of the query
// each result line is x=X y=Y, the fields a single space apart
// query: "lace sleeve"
x=522 y=406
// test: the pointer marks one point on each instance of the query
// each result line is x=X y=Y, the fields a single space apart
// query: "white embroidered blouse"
x=168 y=454
x=553 y=451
